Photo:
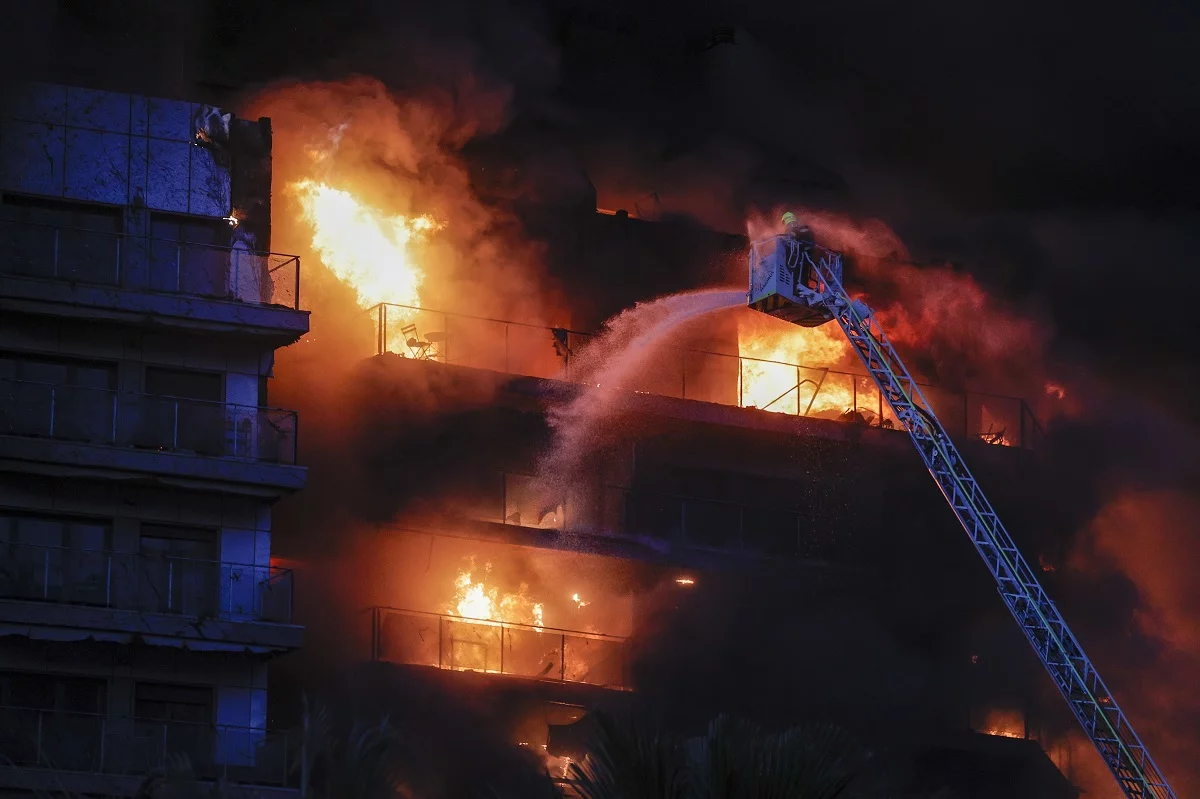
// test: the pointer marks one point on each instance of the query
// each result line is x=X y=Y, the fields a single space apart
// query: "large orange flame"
x=475 y=600
x=368 y=249
x=784 y=371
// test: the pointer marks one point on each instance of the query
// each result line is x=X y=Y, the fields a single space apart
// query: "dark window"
x=54 y=559
x=57 y=398
x=184 y=412
x=182 y=703
x=185 y=384
x=190 y=255
x=178 y=571
x=53 y=692
x=66 y=241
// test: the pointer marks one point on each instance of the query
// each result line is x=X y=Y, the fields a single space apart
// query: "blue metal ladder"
x=1072 y=671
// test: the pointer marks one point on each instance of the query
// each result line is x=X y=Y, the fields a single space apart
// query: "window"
x=62 y=240
x=189 y=417
x=54 y=559
x=185 y=384
x=189 y=255
x=178 y=571
x=58 y=371
x=180 y=703
x=53 y=692
x=57 y=398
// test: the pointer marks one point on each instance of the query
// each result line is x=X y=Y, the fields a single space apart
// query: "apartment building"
x=783 y=563
x=140 y=457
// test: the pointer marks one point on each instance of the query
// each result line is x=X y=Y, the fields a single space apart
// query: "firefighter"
x=797 y=229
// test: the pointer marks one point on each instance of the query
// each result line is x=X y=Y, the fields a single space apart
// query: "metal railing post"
x=502 y=649
x=108 y=580
x=53 y=398
x=103 y=742
x=175 y=425
x=742 y=385
x=563 y=653
x=234 y=290
x=170 y=584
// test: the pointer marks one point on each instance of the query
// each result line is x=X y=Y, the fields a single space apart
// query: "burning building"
x=738 y=519
x=140 y=457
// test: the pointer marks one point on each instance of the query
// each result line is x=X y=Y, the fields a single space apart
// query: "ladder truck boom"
x=802 y=283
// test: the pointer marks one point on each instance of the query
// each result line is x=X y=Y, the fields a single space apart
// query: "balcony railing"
x=97 y=744
x=146 y=583
x=691 y=522
x=451 y=642
x=144 y=264
x=147 y=422
x=794 y=389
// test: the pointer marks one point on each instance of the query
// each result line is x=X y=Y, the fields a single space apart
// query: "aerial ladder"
x=801 y=282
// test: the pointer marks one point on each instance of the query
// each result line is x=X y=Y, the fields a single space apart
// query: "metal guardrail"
x=701 y=375
x=147 y=422
x=146 y=264
x=98 y=744
x=441 y=641
x=691 y=522
x=146 y=583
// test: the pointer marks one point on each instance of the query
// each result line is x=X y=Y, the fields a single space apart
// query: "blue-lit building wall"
x=140 y=459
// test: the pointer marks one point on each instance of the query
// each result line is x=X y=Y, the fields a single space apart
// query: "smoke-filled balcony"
x=750 y=379
x=640 y=514
x=492 y=647
x=132 y=427
x=67 y=743
x=55 y=264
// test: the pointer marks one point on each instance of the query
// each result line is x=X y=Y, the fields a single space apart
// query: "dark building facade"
x=140 y=310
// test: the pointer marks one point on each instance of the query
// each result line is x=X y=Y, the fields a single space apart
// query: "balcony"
x=106 y=429
x=125 y=592
x=700 y=375
x=73 y=744
x=195 y=283
x=410 y=637
x=667 y=523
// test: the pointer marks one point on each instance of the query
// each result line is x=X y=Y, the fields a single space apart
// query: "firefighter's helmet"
x=789 y=218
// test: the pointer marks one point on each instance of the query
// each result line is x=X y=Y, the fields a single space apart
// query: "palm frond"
x=629 y=760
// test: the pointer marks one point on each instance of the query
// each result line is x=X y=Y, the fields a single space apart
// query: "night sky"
x=1043 y=146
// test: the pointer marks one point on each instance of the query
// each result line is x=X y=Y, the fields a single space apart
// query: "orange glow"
x=1058 y=392
x=1004 y=723
x=685 y=581
x=366 y=248
x=770 y=378
x=474 y=600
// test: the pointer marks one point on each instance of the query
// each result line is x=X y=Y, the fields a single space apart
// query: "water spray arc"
x=802 y=283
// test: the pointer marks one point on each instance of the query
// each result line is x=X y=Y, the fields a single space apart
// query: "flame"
x=685 y=581
x=579 y=603
x=1056 y=391
x=1004 y=723
x=474 y=600
x=368 y=249
x=783 y=371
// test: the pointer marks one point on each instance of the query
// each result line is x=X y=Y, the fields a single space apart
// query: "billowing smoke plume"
x=958 y=335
